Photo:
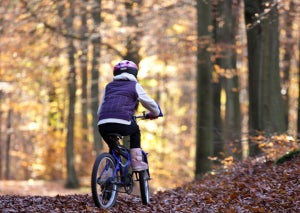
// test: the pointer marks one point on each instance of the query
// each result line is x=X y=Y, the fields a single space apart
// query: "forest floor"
x=251 y=186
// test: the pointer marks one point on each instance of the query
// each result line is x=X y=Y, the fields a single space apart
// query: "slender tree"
x=83 y=58
x=96 y=50
x=227 y=59
x=72 y=180
x=204 y=136
x=132 y=43
x=218 y=140
x=288 y=19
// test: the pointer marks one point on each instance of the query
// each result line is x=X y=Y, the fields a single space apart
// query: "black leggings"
x=132 y=130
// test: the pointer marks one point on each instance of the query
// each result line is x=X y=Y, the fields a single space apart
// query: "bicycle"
x=112 y=174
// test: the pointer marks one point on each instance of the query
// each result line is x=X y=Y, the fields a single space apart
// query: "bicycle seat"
x=115 y=144
x=115 y=137
x=121 y=150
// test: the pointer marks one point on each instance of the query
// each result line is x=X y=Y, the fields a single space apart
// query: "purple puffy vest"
x=120 y=100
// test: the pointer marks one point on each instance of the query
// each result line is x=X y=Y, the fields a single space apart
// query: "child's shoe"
x=137 y=163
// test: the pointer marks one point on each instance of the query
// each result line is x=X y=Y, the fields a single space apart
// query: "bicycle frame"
x=120 y=166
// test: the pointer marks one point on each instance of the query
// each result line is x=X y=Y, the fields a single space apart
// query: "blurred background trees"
x=226 y=75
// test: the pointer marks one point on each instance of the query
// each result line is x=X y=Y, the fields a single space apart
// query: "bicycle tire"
x=144 y=186
x=104 y=193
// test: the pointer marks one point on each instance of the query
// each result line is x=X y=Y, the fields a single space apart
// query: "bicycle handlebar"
x=140 y=116
x=143 y=116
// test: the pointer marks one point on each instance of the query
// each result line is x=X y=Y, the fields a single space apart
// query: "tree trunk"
x=133 y=40
x=289 y=18
x=218 y=142
x=83 y=67
x=85 y=155
x=273 y=117
x=72 y=180
x=232 y=127
x=96 y=45
x=204 y=136
x=266 y=113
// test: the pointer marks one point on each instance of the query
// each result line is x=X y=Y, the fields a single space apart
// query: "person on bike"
x=119 y=102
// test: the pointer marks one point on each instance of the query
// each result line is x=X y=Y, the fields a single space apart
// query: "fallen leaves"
x=246 y=187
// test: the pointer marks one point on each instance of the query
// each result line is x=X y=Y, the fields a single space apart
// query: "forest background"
x=57 y=56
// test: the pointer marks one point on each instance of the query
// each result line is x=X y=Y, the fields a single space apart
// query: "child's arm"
x=147 y=102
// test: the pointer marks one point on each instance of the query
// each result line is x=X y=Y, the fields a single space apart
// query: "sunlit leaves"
x=276 y=145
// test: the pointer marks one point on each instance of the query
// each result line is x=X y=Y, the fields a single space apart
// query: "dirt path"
x=38 y=187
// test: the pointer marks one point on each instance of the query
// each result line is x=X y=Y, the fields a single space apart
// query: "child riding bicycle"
x=118 y=104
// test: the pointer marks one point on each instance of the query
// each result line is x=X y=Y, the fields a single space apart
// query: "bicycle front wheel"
x=104 y=192
x=144 y=186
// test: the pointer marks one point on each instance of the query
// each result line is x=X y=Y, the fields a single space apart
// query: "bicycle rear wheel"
x=104 y=192
x=144 y=186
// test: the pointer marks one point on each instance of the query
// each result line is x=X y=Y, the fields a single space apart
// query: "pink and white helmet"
x=125 y=66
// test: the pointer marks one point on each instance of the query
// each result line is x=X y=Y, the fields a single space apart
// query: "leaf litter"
x=246 y=187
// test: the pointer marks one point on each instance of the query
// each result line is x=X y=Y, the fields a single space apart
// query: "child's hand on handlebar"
x=150 y=116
